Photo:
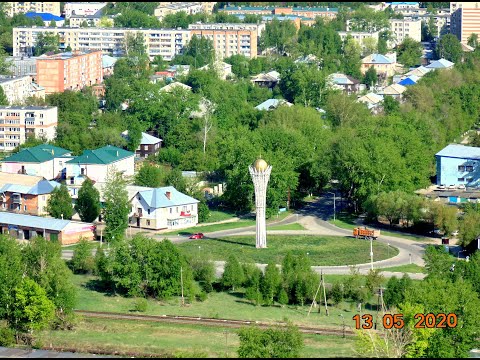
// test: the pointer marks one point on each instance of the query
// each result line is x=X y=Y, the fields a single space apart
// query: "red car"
x=196 y=236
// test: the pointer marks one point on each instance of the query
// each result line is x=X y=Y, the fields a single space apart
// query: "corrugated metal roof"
x=146 y=139
x=105 y=155
x=156 y=198
x=460 y=151
x=272 y=103
x=33 y=221
x=37 y=154
x=377 y=59
x=440 y=64
x=44 y=16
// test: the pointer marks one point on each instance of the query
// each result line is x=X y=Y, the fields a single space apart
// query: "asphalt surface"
x=314 y=218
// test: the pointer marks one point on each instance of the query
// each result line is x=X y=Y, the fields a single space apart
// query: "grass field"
x=321 y=250
x=224 y=305
x=409 y=268
x=175 y=340
x=216 y=215
x=294 y=226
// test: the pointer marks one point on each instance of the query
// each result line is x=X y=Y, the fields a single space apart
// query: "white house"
x=96 y=164
x=42 y=160
x=222 y=68
x=163 y=208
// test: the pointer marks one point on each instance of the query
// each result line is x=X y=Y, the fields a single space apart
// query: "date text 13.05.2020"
x=396 y=321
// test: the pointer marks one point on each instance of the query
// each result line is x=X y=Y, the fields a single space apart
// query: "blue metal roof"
x=33 y=221
x=440 y=64
x=268 y=104
x=460 y=151
x=380 y=59
x=407 y=82
x=41 y=188
x=156 y=198
x=44 y=16
x=108 y=61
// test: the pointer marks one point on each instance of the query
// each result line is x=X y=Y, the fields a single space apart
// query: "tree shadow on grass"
x=100 y=286
x=231 y=242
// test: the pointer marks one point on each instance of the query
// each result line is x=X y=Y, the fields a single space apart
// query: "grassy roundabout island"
x=322 y=250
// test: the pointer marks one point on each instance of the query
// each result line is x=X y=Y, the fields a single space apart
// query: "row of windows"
x=463 y=168
x=463 y=179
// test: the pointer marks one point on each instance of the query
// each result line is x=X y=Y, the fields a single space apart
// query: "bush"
x=202 y=296
x=140 y=305
x=336 y=293
x=7 y=336
x=283 y=297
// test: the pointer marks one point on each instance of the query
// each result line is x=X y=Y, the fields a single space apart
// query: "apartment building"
x=164 y=42
x=172 y=8
x=19 y=122
x=52 y=7
x=18 y=89
x=308 y=12
x=454 y=5
x=359 y=36
x=394 y=5
x=21 y=66
x=464 y=22
x=69 y=71
x=403 y=28
x=229 y=39
x=82 y=8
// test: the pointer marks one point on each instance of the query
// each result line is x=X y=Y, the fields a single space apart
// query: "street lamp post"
x=343 y=325
x=334 y=209
x=371 y=252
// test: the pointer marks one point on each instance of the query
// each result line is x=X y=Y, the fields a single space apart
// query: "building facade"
x=163 y=208
x=403 y=28
x=96 y=164
x=15 y=7
x=359 y=36
x=69 y=71
x=164 y=42
x=454 y=5
x=188 y=7
x=308 y=12
x=229 y=39
x=18 y=89
x=458 y=165
x=149 y=145
x=465 y=22
x=19 y=122
x=44 y=160
x=82 y=8
x=21 y=66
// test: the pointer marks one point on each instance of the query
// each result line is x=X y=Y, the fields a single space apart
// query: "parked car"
x=196 y=236
x=451 y=187
x=461 y=187
x=441 y=187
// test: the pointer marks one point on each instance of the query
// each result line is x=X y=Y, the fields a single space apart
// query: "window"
x=148 y=221
x=148 y=211
x=461 y=179
x=177 y=210
x=24 y=207
x=171 y=210
x=469 y=168
x=461 y=168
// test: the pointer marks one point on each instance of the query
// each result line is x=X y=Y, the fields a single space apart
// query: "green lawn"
x=322 y=250
x=294 y=226
x=92 y=244
x=216 y=216
x=211 y=228
x=409 y=268
x=175 y=340
x=224 y=305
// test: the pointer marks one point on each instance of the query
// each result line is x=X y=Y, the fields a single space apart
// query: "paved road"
x=314 y=218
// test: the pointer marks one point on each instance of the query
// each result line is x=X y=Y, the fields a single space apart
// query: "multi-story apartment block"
x=83 y=8
x=359 y=36
x=403 y=28
x=394 y=5
x=21 y=66
x=164 y=42
x=229 y=39
x=189 y=7
x=18 y=89
x=454 y=5
x=69 y=71
x=52 y=7
x=465 y=22
x=308 y=12
x=19 y=122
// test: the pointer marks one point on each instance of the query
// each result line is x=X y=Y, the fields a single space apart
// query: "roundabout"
x=320 y=250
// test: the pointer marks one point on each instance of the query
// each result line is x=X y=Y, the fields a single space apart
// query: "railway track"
x=209 y=322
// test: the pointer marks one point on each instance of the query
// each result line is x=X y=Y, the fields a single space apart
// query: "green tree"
x=370 y=78
x=134 y=44
x=270 y=343
x=278 y=34
x=88 y=202
x=149 y=175
x=52 y=24
x=82 y=260
x=233 y=273
x=473 y=40
x=11 y=268
x=390 y=105
x=117 y=206
x=469 y=227
x=46 y=42
x=409 y=52
x=105 y=22
x=3 y=97
x=270 y=283
x=374 y=280
x=32 y=310
x=59 y=205
x=449 y=47
x=352 y=59
x=175 y=178
x=336 y=293
x=198 y=52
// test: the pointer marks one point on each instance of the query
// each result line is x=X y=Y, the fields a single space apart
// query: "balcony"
x=138 y=215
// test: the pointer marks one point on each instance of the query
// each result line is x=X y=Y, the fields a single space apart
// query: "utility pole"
x=324 y=293
x=181 y=282
x=371 y=252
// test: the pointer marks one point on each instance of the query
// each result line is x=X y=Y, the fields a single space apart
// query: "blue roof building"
x=411 y=80
x=458 y=165
x=47 y=18
x=271 y=104
x=440 y=64
x=163 y=208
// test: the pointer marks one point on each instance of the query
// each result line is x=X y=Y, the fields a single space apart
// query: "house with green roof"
x=96 y=164
x=42 y=160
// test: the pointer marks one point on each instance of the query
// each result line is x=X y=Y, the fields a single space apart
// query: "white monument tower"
x=260 y=172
